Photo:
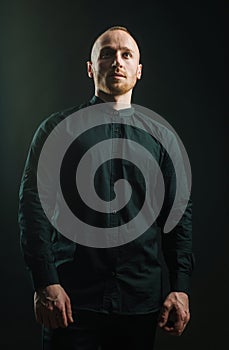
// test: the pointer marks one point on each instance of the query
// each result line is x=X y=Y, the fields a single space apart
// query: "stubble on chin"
x=109 y=87
x=120 y=88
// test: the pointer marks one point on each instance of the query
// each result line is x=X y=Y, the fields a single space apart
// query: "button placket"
x=116 y=134
x=113 y=211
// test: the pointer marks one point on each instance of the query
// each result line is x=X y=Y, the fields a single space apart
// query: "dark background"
x=44 y=47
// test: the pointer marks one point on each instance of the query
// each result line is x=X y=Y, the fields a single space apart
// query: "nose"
x=117 y=62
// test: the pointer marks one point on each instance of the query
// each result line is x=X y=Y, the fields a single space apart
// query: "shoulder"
x=51 y=121
x=55 y=118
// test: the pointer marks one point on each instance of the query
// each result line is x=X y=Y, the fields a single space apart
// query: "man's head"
x=114 y=64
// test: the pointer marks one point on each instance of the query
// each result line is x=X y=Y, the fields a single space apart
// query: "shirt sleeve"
x=177 y=250
x=36 y=232
x=177 y=243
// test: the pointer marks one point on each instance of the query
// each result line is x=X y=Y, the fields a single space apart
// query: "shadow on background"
x=44 y=47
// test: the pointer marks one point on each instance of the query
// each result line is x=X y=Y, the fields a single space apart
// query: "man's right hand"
x=52 y=307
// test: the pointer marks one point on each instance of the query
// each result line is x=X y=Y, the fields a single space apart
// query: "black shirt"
x=126 y=278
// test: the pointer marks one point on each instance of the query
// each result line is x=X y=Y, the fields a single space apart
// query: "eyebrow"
x=124 y=48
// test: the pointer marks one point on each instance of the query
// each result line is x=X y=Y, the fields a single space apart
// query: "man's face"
x=114 y=63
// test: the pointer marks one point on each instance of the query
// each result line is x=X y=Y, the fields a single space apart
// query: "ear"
x=89 y=69
x=139 y=71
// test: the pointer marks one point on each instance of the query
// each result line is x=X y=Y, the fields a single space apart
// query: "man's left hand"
x=175 y=313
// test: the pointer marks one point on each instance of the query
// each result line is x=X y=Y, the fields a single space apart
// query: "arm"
x=177 y=250
x=36 y=238
x=176 y=246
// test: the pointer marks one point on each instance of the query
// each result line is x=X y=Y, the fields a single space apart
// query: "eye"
x=106 y=54
x=127 y=54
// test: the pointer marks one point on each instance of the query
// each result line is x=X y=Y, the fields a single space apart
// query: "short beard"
x=120 y=89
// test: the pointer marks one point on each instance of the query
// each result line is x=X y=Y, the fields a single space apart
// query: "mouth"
x=116 y=75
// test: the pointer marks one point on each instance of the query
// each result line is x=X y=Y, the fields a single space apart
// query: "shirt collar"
x=121 y=112
x=95 y=100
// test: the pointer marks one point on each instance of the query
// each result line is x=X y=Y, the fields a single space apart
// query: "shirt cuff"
x=44 y=275
x=180 y=282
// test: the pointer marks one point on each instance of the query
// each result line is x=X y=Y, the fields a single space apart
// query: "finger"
x=181 y=321
x=173 y=330
x=62 y=317
x=40 y=312
x=163 y=318
x=69 y=311
x=175 y=327
x=186 y=317
x=59 y=313
x=179 y=326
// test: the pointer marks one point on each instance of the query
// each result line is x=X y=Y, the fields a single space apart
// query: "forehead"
x=116 y=39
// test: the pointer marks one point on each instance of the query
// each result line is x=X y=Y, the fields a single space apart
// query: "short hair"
x=117 y=27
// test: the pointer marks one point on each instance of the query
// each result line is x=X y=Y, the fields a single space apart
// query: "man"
x=105 y=298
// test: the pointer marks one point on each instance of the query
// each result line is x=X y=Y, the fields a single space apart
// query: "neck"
x=119 y=101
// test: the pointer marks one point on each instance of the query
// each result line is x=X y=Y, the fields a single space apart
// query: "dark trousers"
x=96 y=331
